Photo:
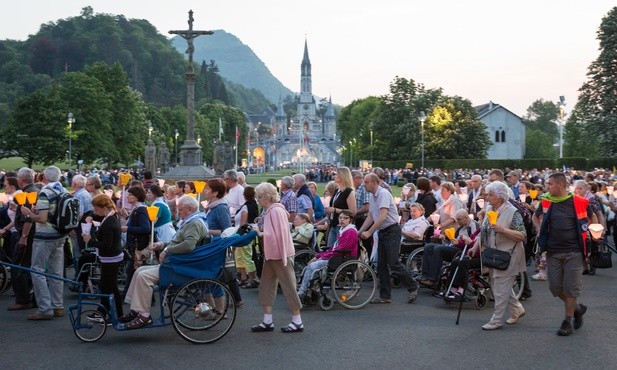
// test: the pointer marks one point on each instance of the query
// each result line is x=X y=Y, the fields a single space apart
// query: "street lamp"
x=350 y=153
x=562 y=113
x=176 y=145
x=371 y=145
x=70 y=119
x=198 y=139
x=422 y=118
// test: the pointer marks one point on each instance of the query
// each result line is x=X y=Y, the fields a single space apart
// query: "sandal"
x=292 y=328
x=138 y=322
x=262 y=327
x=380 y=301
x=128 y=317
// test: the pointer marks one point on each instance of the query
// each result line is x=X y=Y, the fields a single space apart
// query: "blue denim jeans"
x=48 y=292
x=308 y=274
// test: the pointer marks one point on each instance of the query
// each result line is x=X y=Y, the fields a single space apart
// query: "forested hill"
x=236 y=62
x=154 y=67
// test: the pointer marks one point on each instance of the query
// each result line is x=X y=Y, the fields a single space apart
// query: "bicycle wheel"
x=89 y=326
x=301 y=259
x=519 y=286
x=414 y=263
x=203 y=311
x=350 y=286
x=5 y=278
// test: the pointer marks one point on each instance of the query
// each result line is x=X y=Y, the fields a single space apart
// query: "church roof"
x=484 y=109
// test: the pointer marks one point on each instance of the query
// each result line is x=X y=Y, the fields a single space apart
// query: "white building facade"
x=505 y=130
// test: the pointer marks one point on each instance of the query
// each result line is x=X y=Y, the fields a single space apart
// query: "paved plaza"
x=397 y=336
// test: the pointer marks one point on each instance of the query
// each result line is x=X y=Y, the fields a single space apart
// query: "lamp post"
x=176 y=146
x=371 y=145
x=70 y=119
x=562 y=112
x=422 y=118
x=350 y=153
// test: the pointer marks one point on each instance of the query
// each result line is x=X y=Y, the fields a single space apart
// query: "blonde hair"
x=345 y=174
x=103 y=201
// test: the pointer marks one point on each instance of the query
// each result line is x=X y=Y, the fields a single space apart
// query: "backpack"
x=527 y=218
x=66 y=216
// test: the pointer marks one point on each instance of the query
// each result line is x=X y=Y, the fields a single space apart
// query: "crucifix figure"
x=189 y=35
x=190 y=152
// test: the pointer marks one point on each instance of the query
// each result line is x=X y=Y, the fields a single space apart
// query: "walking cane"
x=465 y=283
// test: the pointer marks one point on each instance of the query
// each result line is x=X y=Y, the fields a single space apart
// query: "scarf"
x=553 y=199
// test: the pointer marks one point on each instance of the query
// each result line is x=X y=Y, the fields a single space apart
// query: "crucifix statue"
x=190 y=152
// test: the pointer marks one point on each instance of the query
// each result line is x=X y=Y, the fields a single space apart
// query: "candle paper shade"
x=449 y=232
x=492 y=217
x=32 y=197
x=20 y=198
x=153 y=212
x=199 y=186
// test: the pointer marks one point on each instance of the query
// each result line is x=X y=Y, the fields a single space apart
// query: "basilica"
x=303 y=140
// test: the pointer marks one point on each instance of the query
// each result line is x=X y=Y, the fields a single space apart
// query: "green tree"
x=127 y=113
x=542 y=115
x=231 y=118
x=452 y=130
x=598 y=95
x=38 y=130
x=357 y=121
x=538 y=144
x=86 y=98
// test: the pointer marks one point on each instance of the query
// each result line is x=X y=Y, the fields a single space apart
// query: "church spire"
x=306 y=89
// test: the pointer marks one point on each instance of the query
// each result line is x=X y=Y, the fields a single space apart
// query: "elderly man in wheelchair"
x=346 y=245
x=193 y=232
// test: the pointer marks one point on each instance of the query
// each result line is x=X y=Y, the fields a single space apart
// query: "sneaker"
x=413 y=295
x=578 y=316
x=491 y=325
x=566 y=329
x=39 y=316
x=514 y=318
x=94 y=317
x=540 y=276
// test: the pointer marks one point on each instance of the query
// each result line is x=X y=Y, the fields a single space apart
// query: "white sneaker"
x=514 y=318
x=491 y=325
x=540 y=276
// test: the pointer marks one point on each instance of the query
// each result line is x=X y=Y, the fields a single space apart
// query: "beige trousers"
x=139 y=294
x=504 y=299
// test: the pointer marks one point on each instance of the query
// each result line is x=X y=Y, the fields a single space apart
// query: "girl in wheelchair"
x=346 y=245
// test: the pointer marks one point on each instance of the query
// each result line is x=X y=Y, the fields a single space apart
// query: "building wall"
x=502 y=121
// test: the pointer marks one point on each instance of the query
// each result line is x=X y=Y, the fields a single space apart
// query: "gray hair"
x=499 y=189
x=232 y=175
x=299 y=177
x=241 y=176
x=52 y=173
x=191 y=203
x=288 y=181
x=267 y=190
x=79 y=180
x=26 y=174
x=355 y=174
x=418 y=206
x=582 y=184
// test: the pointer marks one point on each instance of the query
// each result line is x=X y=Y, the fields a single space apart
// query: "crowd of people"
x=549 y=208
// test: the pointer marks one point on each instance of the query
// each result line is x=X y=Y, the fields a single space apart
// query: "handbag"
x=602 y=258
x=496 y=259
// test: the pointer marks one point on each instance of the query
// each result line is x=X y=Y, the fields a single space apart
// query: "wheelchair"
x=411 y=255
x=346 y=281
x=304 y=253
x=478 y=287
x=92 y=271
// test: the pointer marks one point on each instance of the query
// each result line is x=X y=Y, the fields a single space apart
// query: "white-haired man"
x=47 y=249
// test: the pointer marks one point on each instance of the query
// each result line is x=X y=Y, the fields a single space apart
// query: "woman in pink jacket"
x=278 y=268
x=346 y=245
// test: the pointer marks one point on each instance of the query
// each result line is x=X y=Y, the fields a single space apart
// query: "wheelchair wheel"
x=301 y=259
x=5 y=278
x=414 y=263
x=350 y=286
x=519 y=286
x=325 y=303
x=481 y=301
x=89 y=326
x=203 y=311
